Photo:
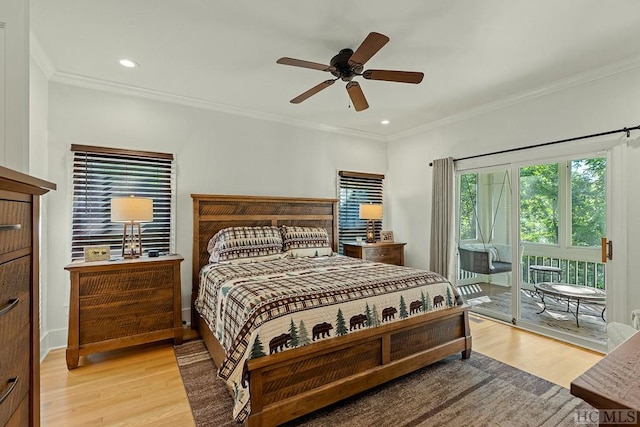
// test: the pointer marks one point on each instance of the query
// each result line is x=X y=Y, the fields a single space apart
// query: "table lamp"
x=371 y=212
x=131 y=211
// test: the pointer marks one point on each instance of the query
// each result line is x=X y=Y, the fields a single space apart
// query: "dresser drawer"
x=15 y=226
x=15 y=281
x=121 y=280
x=105 y=317
x=14 y=357
x=389 y=255
x=20 y=417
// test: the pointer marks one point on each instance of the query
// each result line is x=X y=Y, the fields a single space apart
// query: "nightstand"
x=388 y=253
x=121 y=303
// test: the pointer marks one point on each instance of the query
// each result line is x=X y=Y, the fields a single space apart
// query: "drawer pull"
x=7 y=227
x=10 y=306
x=12 y=384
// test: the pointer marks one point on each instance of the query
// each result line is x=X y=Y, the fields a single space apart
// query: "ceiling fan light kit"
x=348 y=64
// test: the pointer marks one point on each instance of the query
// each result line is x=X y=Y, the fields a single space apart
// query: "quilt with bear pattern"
x=267 y=307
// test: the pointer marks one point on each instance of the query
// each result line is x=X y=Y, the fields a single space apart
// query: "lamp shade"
x=131 y=209
x=370 y=211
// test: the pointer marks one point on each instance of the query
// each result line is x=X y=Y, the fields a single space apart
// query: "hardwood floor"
x=553 y=360
x=138 y=386
x=142 y=385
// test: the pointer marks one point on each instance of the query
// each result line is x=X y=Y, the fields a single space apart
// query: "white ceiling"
x=222 y=54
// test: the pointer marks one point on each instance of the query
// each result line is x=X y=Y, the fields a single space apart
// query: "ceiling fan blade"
x=317 y=88
x=304 y=64
x=394 y=76
x=369 y=47
x=357 y=96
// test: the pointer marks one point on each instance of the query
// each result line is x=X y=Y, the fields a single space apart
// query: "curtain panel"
x=442 y=250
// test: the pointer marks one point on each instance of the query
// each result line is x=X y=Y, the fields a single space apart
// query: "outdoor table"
x=571 y=292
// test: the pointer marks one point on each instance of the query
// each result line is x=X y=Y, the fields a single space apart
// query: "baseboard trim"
x=52 y=340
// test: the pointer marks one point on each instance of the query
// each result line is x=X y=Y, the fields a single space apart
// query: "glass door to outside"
x=485 y=256
x=524 y=223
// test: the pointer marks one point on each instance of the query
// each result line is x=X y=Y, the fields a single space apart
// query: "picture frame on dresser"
x=386 y=236
x=97 y=253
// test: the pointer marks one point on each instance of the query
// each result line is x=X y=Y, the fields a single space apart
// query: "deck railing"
x=574 y=272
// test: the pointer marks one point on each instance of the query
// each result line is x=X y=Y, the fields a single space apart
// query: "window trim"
x=120 y=151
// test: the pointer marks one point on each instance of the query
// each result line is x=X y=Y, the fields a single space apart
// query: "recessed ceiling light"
x=385 y=122
x=128 y=63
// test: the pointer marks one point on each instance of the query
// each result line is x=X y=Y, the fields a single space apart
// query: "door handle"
x=607 y=249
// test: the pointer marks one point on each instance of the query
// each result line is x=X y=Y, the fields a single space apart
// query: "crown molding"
x=47 y=67
x=40 y=57
x=557 y=86
x=123 y=89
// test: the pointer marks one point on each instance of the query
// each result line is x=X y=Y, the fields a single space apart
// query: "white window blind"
x=356 y=188
x=100 y=174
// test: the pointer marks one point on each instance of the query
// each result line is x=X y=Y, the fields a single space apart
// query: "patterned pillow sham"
x=305 y=241
x=245 y=244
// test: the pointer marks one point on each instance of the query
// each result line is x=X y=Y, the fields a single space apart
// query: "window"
x=539 y=216
x=468 y=206
x=547 y=216
x=356 y=188
x=588 y=201
x=102 y=173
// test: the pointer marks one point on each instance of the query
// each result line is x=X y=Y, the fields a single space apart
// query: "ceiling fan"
x=349 y=64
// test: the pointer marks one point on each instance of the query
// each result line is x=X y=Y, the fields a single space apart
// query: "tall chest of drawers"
x=19 y=297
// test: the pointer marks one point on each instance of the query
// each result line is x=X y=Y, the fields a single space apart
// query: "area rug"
x=479 y=391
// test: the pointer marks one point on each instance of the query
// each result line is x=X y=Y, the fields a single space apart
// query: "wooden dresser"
x=613 y=386
x=389 y=253
x=19 y=297
x=115 y=304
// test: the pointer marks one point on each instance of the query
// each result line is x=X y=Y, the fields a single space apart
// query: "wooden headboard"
x=212 y=213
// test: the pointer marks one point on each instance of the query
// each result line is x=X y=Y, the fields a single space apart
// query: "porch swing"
x=486 y=257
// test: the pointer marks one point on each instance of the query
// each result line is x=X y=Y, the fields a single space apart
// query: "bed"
x=284 y=385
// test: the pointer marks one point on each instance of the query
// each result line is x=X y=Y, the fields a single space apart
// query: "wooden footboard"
x=290 y=384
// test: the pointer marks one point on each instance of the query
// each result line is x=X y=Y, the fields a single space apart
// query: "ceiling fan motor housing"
x=343 y=70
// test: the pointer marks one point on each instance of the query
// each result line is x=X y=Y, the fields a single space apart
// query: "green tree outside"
x=468 y=206
x=539 y=203
x=588 y=201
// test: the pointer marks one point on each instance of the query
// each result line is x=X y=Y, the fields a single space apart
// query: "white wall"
x=215 y=153
x=38 y=164
x=600 y=105
x=14 y=84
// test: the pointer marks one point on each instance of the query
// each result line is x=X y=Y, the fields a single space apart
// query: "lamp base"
x=131 y=242
x=371 y=232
